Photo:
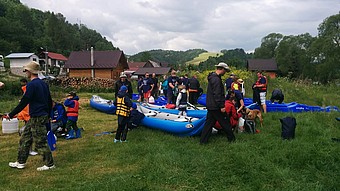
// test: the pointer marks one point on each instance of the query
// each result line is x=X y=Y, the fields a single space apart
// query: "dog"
x=253 y=114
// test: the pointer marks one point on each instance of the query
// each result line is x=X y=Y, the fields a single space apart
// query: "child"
x=135 y=117
x=123 y=103
x=72 y=105
x=182 y=100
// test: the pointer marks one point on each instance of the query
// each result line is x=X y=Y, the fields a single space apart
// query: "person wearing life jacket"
x=182 y=100
x=24 y=114
x=261 y=86
x=235 y=84
x=123 y=104
x=72 y=105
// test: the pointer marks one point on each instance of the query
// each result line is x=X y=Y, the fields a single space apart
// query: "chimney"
x=92 y=63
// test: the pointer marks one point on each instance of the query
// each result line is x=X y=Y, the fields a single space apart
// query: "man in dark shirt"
x=147 y=87
x=155 y=89
x=38 y=97
x=173 y=82
x=123 y=81
x=215 y=104
x=194 y=86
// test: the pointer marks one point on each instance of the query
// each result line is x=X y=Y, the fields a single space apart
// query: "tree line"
x=24 y=29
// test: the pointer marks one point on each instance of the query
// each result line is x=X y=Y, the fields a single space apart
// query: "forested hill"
x=23 y=29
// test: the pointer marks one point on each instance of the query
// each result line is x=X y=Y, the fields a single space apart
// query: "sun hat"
x=123 y=88
x=33 y=67
x=223 y=65
x=122 y=75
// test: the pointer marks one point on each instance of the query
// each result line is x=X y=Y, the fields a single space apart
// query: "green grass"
x=154 y=160
x=202 y=57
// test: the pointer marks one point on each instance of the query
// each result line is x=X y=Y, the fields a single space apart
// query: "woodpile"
x=83 y=82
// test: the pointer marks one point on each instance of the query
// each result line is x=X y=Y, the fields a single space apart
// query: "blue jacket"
x=58 y=113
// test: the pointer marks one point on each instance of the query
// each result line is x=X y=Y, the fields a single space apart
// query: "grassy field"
x=154 y=160
x=202 y=57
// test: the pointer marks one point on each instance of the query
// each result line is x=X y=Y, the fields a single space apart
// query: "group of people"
x=38 y=109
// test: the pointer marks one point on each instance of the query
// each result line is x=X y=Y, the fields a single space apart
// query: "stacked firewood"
x=83 y=82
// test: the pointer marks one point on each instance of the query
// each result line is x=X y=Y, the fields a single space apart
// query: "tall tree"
x=268 y=46
x=291 y=55
x=325 y=51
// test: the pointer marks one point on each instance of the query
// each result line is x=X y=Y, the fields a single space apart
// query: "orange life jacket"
x=73 y=112
x=24 y=114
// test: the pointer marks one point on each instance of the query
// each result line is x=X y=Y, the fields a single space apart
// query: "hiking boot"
x=43 y=168
x=16 y=165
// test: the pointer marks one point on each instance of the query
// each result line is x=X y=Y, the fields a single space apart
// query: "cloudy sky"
x=139 y=25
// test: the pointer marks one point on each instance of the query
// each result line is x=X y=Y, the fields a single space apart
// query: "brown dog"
x=253 y=114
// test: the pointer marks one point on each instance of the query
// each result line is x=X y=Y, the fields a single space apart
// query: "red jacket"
x=230 y=110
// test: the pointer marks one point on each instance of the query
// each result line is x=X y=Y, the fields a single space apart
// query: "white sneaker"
x=45 y=168
x=16 y=165
x=33 y=153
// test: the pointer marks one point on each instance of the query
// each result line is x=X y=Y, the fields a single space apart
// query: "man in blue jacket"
x=215 y=104
x=38 y=97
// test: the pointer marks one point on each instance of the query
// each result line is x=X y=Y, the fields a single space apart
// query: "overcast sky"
x=213 y=25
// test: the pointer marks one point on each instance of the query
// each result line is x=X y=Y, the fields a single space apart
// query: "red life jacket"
x=264 y=88
x=73 y=112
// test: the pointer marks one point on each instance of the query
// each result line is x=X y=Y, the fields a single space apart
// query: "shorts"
x=241 y=122
x=263 y=98
x=147 y=94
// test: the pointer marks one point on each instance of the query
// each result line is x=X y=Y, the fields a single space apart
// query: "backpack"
x=249 y=126
x=288 y=127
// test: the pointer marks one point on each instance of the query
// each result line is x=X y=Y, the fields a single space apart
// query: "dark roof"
x=135 y=65
x=261 y=65
x=101 y=59
x=157 y=70
x=56 y=56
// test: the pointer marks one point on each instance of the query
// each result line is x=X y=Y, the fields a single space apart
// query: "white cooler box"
x=10 y=126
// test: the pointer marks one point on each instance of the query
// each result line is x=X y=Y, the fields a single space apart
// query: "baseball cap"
x=123 y=89
x=73 y=94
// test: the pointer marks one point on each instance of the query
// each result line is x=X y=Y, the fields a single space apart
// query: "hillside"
x=202 y=57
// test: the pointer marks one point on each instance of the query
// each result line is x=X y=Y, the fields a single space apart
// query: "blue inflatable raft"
x=103 y=105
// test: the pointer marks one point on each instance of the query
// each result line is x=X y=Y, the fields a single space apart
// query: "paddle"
x=193 y=106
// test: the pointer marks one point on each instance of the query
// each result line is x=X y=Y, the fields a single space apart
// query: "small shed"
x=19 y=60
x=268 y=66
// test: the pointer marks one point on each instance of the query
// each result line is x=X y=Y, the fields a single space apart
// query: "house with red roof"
x=96 y=64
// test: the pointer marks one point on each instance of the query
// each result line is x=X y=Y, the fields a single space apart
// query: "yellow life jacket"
x=122 y=109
